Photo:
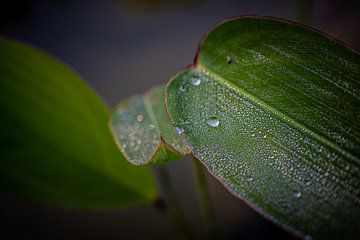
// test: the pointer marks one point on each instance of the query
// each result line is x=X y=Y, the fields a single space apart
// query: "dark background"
x=125 y=47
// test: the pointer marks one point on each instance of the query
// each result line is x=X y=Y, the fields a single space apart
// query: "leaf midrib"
x=199 y=67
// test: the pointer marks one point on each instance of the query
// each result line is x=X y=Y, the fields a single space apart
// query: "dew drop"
x=297 y=194
x=182 y=89
x=249 y=179
x=140 y=118
x=195 y=81
x=213 y=121
x=228 y=59
x=347 y=168
x=179 y=130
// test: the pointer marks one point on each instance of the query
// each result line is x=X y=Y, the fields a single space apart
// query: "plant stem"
x=174 y=211
x=205 y=199
x=303 y=9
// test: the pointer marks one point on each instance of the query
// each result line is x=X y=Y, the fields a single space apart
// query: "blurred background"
x=123 y=47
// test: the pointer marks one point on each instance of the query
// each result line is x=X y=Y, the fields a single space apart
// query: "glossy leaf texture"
x=273 y=112
x=55 y=145
x=143 y=131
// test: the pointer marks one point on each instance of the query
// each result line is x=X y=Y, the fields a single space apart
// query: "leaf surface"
x=273 y=111
x=55 y=145
x=143 y=131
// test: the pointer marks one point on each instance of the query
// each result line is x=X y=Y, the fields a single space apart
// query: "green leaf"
x=273 y=111
x=55 y=145
x=143 y=131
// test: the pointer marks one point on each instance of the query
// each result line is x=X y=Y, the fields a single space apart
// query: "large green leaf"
x=54 y=143
x=143 y=131
x=273 y=111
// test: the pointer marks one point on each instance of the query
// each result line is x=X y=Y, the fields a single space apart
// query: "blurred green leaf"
x=273 y=110
x=143 y=130
x=55 y=145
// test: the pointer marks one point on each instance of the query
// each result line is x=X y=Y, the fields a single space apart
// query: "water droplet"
x=140 y=118
x=179 y=130
x=213 y=121
x=182 y=89
x=228 y=59
x=249 y=179
x=264 y=136
x=195 y=81
x=297 y=194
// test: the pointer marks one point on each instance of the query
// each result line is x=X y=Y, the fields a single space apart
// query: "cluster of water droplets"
x=135 y=133
x=260 y=154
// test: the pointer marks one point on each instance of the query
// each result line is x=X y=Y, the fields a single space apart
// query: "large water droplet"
x=213 y=121
x=179 y=130
x=140 y=118
x=195 y=81
x=297 y=194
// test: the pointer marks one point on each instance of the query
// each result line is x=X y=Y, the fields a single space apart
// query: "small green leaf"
x=55 y=145
x=273 y=111
x=143 y=131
